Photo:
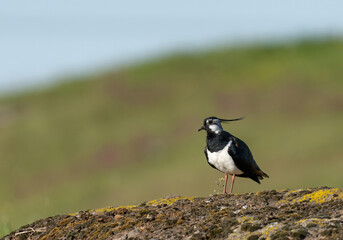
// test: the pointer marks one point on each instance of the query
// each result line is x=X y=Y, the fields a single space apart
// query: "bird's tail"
x=261 y=174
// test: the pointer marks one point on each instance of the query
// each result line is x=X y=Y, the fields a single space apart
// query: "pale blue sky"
x=42 y=41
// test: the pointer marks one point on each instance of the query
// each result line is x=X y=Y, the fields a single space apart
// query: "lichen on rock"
x=314 y=213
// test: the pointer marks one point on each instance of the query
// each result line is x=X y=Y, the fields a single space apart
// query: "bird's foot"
x=225 y=193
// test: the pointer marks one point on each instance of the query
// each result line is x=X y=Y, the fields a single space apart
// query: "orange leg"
x=224 y=192
x=232 y=181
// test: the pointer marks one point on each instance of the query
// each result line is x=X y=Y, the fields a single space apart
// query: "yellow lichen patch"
x=238 y=236
x=321 y=196
x=317 y=221
x=168 y=201
x=269 y=229
x=245 y=219
x=102 y=210
x=265 y=232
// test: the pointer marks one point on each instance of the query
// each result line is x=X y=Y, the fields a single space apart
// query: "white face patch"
x=215 y=128
x=214 y=125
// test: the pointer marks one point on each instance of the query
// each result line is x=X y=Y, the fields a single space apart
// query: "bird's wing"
x=244 y=160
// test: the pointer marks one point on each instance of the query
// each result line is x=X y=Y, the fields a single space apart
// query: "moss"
x=180 y=221
x=245 y=226
x=253 y=237
x=295 y=216
x=327 y=232
x=279 y=235
x=64 y=221
x=129 y=222
x=266 y=231
x=254 y=227
x=299 y=233
x=316 y=221
x=73 y=224
x=168 y=201
x=214 y=232
x=51 y=235
x=245 y=219
x=103 y=210
x=214 y=217
x=250 y=227
x=310 y=225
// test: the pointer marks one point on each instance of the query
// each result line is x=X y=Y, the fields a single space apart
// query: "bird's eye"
x=210 y=121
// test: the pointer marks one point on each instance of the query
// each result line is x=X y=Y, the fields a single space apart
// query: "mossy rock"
x=298 y=214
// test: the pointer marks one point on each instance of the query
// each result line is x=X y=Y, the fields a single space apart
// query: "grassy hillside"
x=128 y=136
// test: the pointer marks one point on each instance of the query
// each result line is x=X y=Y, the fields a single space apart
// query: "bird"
x=228 y=153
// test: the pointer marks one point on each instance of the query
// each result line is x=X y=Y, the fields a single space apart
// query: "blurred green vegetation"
x=128 y=136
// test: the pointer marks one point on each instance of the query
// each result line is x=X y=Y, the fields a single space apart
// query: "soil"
x=315 y=213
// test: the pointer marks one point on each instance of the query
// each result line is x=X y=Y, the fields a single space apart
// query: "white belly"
x=223 y=161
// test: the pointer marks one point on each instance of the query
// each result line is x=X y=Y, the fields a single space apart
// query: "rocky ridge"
x=314 y=213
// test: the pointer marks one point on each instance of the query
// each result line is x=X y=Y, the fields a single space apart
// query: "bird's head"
x=213 y=124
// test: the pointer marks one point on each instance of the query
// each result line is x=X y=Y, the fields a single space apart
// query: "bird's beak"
x=202 y=128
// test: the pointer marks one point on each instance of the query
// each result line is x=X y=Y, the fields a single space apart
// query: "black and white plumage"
x=228 y=153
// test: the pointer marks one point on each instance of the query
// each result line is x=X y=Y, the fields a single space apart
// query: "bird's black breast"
x=216 y=142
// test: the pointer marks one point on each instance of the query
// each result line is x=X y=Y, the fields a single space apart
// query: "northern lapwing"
x=228 y=153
